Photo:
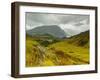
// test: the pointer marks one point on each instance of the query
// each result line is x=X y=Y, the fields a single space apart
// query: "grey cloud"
x=71 y=23
x=53 y=18
x=78 y=24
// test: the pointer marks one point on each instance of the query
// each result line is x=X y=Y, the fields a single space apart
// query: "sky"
x=72 y=24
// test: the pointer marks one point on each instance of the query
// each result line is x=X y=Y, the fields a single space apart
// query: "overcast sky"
x=72 y=24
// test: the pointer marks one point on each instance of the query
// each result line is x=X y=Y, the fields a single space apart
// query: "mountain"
x=53 y=30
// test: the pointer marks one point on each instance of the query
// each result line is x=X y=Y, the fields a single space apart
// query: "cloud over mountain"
x=71 y=23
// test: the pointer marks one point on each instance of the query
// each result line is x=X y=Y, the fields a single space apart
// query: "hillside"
x=71 y=51
x=81 y=39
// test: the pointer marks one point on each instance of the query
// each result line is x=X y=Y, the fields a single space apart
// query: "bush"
x=45 y=43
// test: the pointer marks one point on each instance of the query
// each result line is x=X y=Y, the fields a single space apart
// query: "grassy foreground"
x=72 y=51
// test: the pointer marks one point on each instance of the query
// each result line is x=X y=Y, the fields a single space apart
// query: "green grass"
x=30 y=44
x=81 y=54
x=72 y=51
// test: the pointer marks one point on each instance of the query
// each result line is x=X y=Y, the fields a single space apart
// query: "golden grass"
x=57 y=54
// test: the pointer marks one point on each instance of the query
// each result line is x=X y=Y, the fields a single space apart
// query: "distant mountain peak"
x=53 y=30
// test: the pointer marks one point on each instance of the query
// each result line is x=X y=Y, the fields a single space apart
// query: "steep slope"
x=81 y=39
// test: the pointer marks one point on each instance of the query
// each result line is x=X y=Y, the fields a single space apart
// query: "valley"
x=48 y=50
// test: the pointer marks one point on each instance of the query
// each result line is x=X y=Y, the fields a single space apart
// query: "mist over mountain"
x=53 y=30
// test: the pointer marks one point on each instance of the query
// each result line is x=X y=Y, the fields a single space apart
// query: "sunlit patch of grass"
x=72 y=50
x=48 y=62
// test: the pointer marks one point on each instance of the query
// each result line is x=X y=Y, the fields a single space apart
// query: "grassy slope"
x=66 y=52
x=76 y=49
x=75 y=54
x=81 y=39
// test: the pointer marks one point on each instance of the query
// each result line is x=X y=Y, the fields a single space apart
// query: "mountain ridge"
x=53 y=30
